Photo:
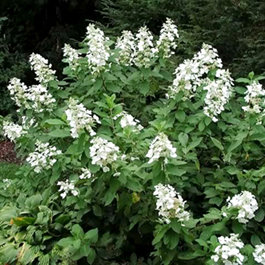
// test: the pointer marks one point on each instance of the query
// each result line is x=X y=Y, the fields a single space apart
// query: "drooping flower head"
x=170 y=204
x=13 y=131
x=42 y=69
x=191 y=73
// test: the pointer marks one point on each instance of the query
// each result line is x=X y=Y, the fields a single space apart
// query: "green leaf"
x=255 y=240
x=259 y=215
x=55 y=122
x=60 y=133
x=217 y=144
x=77 y=231
x=175 y=170
x=160 y=235
x=91 y=256
x=92 y=236
x=183 y=139
x=23 y=221
x=181 y=115
x=243 y=80
x=195 y=143
x=144 y=87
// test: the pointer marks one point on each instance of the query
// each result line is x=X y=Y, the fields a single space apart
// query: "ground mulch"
x=7 y=152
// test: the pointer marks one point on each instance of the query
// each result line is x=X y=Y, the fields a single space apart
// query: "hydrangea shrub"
x=134 y=158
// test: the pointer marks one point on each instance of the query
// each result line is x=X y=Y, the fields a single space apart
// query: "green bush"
x=131 y=159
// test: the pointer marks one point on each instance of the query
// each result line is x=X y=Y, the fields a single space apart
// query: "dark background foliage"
x=235 y=27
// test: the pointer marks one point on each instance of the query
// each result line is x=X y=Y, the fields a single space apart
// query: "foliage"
x=11 y=63
x=89 y=199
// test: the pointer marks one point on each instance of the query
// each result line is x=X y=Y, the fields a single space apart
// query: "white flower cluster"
x=161 y=147
x=259 y=254
x=40 y=98
x=18 y=91
x=103 y=153
x=167 y=39
x=253 y=98
x=12 y=130
x=218 y=94
x=66 y=187
x=145 y=51
x=42 y=69
x=98 y=51
x=228 y=251
x=170 y=204
x=35 y=97
x=71 y=56
x=126 y=46
x=43 y=157
x=141 y=50
x=80 y=118
x=188 y=73
x=7 y=183
x=86 y=174
x=128 y=120
x=246 y=204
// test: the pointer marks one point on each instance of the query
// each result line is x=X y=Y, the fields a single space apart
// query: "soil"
x=7 y=152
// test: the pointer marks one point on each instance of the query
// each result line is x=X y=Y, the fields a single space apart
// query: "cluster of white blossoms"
x=245 y=203
x=259 y=254
x=161 y=147
x=86 y=174
x=18 y=91
x=128 y=120
x=71 y=56
x=103 y=153
x=253 y=97
x=145 y=51
x=43 y=156
x=98 y=50
x=126 y=45
x=80 y=118
x=170 y=204
x=35 y=97
x=40 y=98
x=189 y=73
x=7 y=183
x=42 y=69
x=218 y=94
x=167 y=39
x=66 y=187
x=141 y=50
x=13 y=131
x=228 y=252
